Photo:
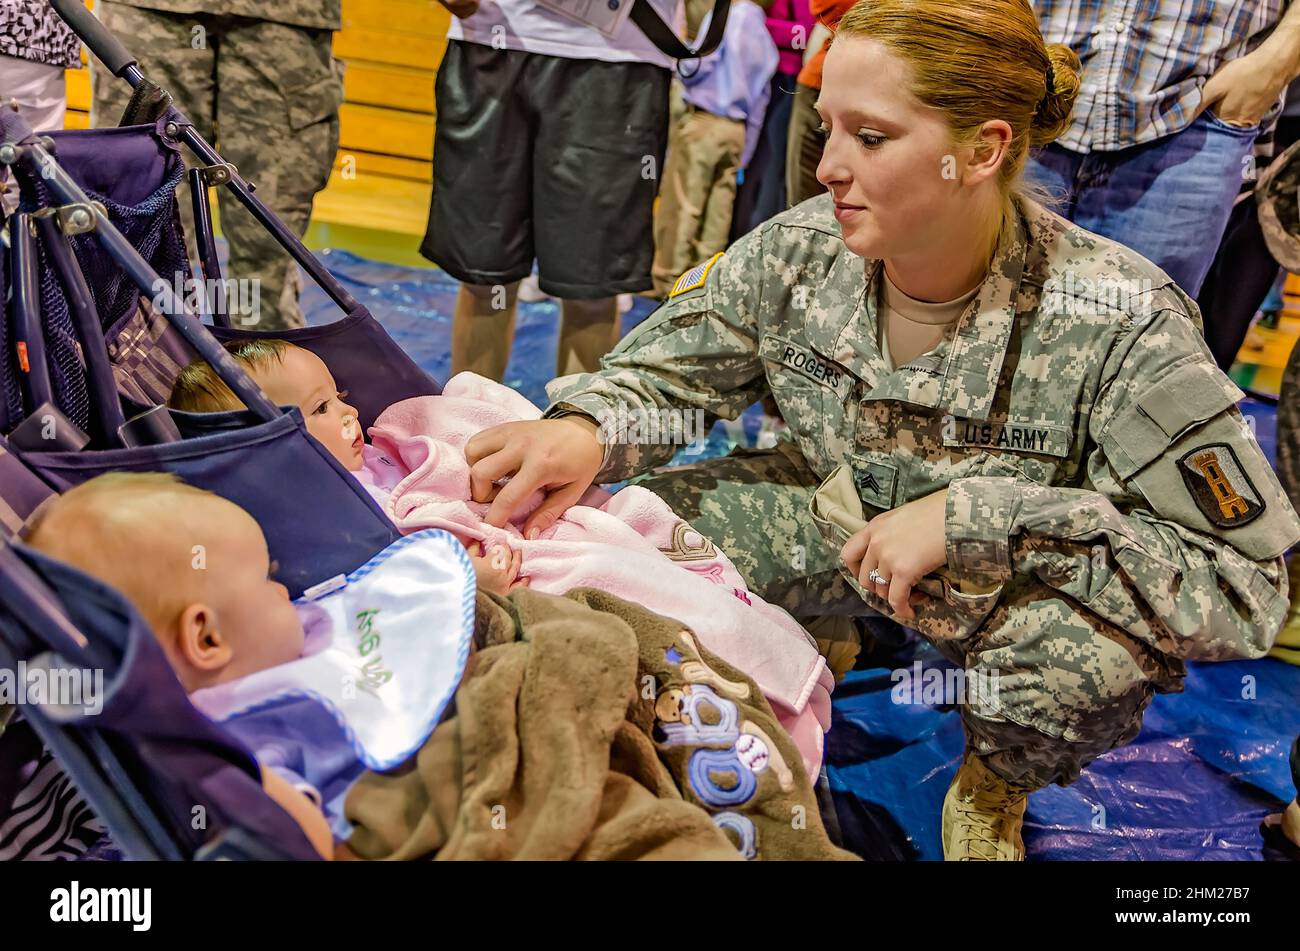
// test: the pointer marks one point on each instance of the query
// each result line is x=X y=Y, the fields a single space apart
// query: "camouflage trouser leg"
x=278 y=97
x=177 y=58
x=753 y=504
x=1056 y=686
x=267 y=95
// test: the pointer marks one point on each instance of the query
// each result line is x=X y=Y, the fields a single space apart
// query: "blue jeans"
x=1169 y=200
x=1274 y=299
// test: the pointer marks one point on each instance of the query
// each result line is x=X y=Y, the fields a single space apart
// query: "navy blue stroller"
x=93 y=337
x=166 y=782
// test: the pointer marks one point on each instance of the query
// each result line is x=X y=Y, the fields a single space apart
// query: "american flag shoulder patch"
x=694 y=277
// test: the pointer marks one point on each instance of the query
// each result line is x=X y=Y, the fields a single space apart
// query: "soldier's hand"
x=901 y=547
x=558 y=456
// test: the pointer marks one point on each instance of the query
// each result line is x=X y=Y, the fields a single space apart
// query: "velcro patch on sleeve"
x=694 y=278
x=1219 y=485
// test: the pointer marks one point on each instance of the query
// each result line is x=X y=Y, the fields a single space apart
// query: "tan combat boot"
x=982 y=816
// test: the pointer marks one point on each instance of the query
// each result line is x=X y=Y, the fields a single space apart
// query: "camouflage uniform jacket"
x=312 y=14
x=1085 y=435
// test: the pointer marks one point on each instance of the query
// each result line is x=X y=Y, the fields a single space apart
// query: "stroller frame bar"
x=105 y=404
x=28 y=339
x=207 y=246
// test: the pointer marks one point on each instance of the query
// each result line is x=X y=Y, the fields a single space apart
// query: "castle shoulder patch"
x=1219 y=485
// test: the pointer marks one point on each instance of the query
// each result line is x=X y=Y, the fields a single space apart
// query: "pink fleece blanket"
x=629 y=544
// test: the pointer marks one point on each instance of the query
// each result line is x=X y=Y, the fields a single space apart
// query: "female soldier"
x=1056 y=484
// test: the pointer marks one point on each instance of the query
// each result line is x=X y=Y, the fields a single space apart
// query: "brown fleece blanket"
x=587 y=727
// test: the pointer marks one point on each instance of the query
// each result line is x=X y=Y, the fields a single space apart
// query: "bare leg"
x=588 y=331
x=483 y=329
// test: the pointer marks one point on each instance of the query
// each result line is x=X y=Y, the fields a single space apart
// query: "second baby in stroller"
x=293 y=376
x=629 y=544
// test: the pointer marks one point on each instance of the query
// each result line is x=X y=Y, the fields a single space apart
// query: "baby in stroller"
x=139 y=533
x=293 y=376
x=629 y=544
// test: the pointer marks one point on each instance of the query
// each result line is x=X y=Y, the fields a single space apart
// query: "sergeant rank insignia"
x=1220 y=486
x=694 y=277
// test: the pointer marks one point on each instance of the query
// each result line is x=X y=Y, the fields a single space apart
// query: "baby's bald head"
x=194 y=565
x=146 y=534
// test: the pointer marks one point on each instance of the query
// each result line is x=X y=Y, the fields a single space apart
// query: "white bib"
x=384 y=653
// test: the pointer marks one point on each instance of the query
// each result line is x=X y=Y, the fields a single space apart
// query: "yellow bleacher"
x=377 y=199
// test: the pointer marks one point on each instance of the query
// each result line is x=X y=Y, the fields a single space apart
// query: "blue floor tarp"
x=1209 y=764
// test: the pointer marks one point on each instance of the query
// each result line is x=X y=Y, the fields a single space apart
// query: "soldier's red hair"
x=976 y=62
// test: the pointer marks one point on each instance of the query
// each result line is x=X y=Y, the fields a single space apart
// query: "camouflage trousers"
x=1056 y=687
x=267 y=95
x=698 y=193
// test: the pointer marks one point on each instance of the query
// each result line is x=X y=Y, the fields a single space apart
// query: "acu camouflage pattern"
x=267 y=95
x=314 y=14
x=1277 y=202
x=1055 y=411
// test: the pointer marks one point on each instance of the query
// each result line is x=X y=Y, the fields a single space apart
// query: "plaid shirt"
x=1146 y=61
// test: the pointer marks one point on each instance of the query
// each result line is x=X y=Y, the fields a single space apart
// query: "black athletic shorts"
x=546 y=157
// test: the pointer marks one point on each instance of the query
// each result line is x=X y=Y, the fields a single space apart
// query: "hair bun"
x=1053 y=115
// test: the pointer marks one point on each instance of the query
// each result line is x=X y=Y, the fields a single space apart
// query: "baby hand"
x=497 y=570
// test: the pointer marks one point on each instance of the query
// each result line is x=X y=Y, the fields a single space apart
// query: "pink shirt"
x=790 y=22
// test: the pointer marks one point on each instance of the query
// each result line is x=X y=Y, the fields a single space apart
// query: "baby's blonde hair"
x=127 y=529
x=199 y=390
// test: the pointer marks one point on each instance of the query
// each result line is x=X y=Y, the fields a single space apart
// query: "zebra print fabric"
x=48 y=820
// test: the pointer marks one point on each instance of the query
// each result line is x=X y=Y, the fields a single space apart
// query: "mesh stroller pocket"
x=134 y=176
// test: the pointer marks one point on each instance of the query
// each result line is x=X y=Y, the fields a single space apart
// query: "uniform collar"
x=961 y=374
x=979 y=348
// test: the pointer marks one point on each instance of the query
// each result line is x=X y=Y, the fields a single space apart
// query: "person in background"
x=805 y=140
x=1244 y=271
x=549 y=145
x=725 y=97
x=260 y=78
x=762 y=193
x=35 y=49
x=1174 y=99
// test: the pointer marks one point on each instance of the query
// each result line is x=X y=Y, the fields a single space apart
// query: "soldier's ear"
x=990 y=152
